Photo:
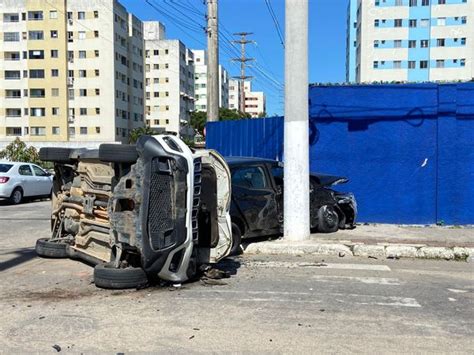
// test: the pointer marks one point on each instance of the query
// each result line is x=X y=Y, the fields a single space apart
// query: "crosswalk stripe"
x=365 y=280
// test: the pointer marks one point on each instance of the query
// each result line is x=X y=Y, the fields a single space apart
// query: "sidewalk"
x=380 y=241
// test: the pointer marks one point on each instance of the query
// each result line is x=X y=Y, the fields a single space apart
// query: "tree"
x=262 y=114
x=140 y=131
x=19 y=151
x=198 y=119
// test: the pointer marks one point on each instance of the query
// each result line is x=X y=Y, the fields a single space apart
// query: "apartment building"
x=410 y=40
x=200 y=82
x=169 y=72
x=255 y=101
x=72 y=72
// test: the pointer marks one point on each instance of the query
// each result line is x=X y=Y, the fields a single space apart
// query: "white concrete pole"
x=212 y=62
x=296 y=224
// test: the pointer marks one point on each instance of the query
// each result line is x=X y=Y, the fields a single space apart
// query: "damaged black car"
x=257 y=200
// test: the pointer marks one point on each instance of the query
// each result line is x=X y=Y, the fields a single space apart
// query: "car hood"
x=328 y=180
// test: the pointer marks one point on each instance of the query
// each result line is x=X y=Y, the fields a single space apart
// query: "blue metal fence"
x=408 y=150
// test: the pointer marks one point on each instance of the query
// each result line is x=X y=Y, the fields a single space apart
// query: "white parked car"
x=18 y=180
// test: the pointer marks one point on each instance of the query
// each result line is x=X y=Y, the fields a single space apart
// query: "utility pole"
x=296 y=225
x=212 y=62
x=243 y=62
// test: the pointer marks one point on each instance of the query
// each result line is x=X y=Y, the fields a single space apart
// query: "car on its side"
x=19 y=180
x=257 y=200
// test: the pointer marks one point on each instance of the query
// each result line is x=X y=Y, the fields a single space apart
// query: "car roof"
x=15 y=162
x=232 y=161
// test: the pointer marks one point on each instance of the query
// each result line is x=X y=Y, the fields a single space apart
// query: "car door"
x=276 y=171
x=27 y=180
x=43 y=181
x=255 y=196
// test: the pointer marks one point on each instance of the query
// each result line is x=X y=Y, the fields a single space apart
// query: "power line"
x=275 y=21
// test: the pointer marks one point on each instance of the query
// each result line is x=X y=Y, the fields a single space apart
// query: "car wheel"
x=48 y=249
x=56 y=155
x=108 y=276
x=118 y=153
x=236 y=240
x=16 y=196
x=328 y=220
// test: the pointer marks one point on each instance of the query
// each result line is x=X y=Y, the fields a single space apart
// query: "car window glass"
x=38 y=171
x=5 y=167
x=25 y=170
x=277 y=172
x=250 y=178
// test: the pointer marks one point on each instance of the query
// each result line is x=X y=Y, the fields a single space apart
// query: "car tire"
x=109 y=277
x=56 y=155
x=328 y=219
x=236 y=240
x=16 y=197
x=48 y=249
x=118 y=153
x=342 y=222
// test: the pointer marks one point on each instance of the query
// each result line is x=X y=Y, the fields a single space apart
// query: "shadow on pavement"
x=21 y=256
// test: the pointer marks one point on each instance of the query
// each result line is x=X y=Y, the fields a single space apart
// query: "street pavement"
x=270 y=304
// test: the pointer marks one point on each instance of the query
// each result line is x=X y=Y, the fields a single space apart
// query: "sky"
x=184 y=20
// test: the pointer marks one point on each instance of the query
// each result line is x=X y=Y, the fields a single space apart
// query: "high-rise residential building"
x=255 y=101
x=410 y=40
x=200 y=82
x=72 y=72
x=169 y=71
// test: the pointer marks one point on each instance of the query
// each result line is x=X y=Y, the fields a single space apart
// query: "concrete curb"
x=390 y=251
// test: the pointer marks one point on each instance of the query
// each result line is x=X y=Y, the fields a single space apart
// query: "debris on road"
x=56 y=347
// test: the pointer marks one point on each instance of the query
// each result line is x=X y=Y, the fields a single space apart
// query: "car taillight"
x=4 y=179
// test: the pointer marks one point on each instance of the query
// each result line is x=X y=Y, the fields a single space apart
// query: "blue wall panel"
x=408 y=150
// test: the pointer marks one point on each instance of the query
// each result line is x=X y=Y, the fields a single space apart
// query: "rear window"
x=5 y=167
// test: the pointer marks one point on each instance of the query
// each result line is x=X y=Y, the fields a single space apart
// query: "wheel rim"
x=329 y=217
x=17 y=196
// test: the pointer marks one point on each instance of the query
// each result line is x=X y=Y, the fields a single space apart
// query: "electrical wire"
x=275 y=21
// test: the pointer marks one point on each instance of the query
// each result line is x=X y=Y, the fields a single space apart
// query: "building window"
x=55 y=111
x=37 y=93
x=440 y=42
x=424 y=43
x=441 y=21
x=83 y=130
x=411 y=64
x=82 y=73
x=423 y=64
x=54 y=34
x=397 y=64
x=97 y=92
x=82 y=35
x=54 y=53
x=97 y=72
x=11 y=17
x=376 y=64
x=398 y=22
x=425 y=2
x=13 y=94
x=441 y=2
x=96 y=14
x=412 y=43
x=37 y=112
x=81 y=15
x=376 y=44
x=82 y=92
x=463 y=41
x=463 y=62
x=36 y=74
x=440 y=63
x=72 y=131
x=96 y=34
x=55 y=92
x=53 y=14
x=13 y=112
x=37 y=54
x=398 y=2
x=35 y=35
x=97 y=110
x=156 y=52
x=413 y=3
x=97 y=130
x=35 y=15
x=54 y=72
x=397 y=43
x=96 y=53
x=412 y=23
x=464 y=20
x=38 y=131
x=11 y=36
x=424 y=22
x=55 y=131
x=83 y=111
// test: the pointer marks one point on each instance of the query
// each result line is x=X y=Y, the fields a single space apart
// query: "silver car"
x=19 y=180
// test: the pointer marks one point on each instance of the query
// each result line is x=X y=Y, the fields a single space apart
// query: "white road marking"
x=452 y=299
x=302 y=297
x=286 y=264
x=456 y=290
x=365 y=280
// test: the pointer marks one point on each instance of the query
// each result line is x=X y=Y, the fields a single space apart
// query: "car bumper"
x=5 y=190
x=348 y=204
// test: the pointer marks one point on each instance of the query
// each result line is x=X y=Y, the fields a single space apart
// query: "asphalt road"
x=269 y=305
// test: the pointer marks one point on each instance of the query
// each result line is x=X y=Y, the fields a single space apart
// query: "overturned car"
x=154 y=210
